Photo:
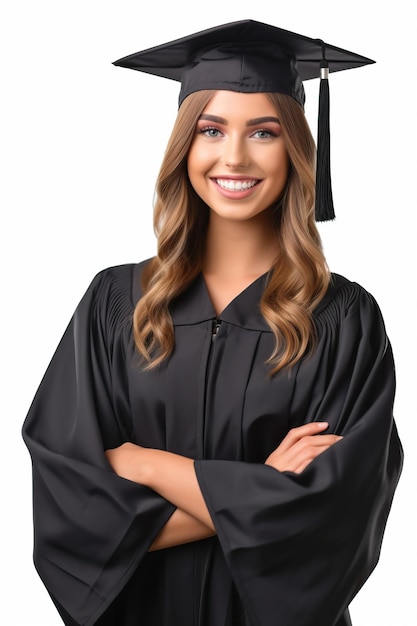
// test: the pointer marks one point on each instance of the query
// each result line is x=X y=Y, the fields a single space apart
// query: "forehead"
x=232 y=103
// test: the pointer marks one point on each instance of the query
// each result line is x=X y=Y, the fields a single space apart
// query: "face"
x=238 y=163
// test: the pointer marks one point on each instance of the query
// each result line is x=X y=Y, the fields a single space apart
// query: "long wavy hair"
x=297 y=281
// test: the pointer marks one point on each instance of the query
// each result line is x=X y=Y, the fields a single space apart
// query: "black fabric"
x=292 y=550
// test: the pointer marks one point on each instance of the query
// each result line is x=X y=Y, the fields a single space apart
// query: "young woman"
x=213 y=441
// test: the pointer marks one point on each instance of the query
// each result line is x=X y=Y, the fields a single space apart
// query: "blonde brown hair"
x=300 y=276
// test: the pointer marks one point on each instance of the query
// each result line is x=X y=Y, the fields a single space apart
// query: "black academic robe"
x=291 y=549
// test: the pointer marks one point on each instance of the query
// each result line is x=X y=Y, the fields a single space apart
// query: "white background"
x=81 y=143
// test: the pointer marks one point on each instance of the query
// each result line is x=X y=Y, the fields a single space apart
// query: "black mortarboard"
x=249 y=56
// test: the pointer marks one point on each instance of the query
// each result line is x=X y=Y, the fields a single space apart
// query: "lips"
x=236 y=185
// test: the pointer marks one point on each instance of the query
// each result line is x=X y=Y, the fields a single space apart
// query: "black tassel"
x=324 y=209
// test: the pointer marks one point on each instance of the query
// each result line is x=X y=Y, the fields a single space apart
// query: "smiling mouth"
x=236 y=185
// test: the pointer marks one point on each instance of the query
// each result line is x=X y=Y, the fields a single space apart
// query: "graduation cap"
x=249 y=56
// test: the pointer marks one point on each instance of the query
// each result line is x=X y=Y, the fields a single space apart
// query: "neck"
x=238 y=249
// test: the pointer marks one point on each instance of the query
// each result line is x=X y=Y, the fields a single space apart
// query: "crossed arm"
x=173 y=477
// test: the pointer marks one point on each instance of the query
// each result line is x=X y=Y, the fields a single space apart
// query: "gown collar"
x=194 y=306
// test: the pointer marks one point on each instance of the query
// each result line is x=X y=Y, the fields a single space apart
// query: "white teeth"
x=235 y=185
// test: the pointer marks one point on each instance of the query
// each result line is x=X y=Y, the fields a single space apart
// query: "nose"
x=235 y=152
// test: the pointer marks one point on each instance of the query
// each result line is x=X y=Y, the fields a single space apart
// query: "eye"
x=210 y=131
x=264 y=133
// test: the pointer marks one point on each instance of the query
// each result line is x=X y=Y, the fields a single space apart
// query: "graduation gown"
x=291 y=549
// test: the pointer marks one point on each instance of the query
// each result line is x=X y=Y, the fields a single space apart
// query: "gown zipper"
x=207 y=558
x=208 y=425
x=214 y=329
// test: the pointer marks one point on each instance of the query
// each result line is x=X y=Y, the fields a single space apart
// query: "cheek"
x=194 y=161
x=196 y=167
x=274 y=160
x=203 y=154
x=282 y=164
x=278 y=172
x=200 y=161
x=191 y=166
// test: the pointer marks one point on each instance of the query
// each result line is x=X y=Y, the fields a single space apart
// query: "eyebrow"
x=262 y=120
x=253 y=122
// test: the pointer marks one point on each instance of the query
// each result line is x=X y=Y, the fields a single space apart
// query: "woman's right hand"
x=300 y=446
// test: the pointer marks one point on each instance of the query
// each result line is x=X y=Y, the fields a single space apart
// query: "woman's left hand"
x=301 y=446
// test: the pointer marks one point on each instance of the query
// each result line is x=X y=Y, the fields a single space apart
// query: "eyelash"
x=270 y=133
x=206 y=129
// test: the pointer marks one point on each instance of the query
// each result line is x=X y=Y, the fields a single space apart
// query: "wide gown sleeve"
x=300 y=546
x=91 y=527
